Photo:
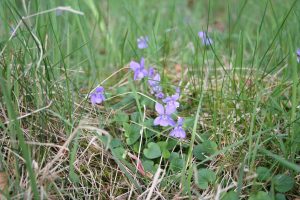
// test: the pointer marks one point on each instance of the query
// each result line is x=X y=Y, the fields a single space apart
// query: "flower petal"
x=99 y=89
x=201 y=34
x=178 y=133
x=159 y=95
x=139 y=75
x=170 y=121
x=175 y=96
x=157 y=120
x=145 y=72
x=170 y=108
x=180 y=121
x=167 y=99
x=151 y=72
x=134 y=65
x=159 y=109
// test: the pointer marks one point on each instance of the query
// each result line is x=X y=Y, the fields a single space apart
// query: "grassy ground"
x=240 y=98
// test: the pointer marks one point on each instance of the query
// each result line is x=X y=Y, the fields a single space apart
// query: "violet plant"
x=139 y=69
x=170 y=103
x=142 y=42
x=97 y=96
x=178 y=131
x=164 y=115
x=206 y=41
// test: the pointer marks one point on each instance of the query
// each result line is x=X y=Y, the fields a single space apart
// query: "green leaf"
x=164 y=149
x=114 y=143
x=136 y=147
x=263 y=173
x=172 y=143
x=283 y=183
x=152 y=151
x=205 y=149
x=210 y=147
x=280 y=196
x=199 y=152
x=132 y=133
x=206 y=177
x=260 y=196
x=231 y=195
x=149 y=166
x=176 y=163
x=135 y=117
x=148 y=124
x=118 y=152
x=105 y=139
x=121 y=117
x=189 y=122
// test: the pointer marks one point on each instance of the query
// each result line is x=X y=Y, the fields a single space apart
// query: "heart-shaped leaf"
x=132 y=133
x=231 y=195
x=260 y=196
x=205 y=177
x=199 y=152
x=206 y=148
x=164 y=149
x=172 y=143
x=280 y=196
x=149 y=166
x=152 y=151
x=283 y=183
x=210 y=147
x=263 y=173
x=118 y=152
x=121 y=117
x=176 y=162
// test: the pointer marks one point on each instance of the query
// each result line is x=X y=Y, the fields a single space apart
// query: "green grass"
x=240 y=94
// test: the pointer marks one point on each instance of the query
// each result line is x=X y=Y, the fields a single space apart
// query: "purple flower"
x=154 y=80
x=154 y=83
x=97 y=96
x=205 y=39
x=156 y=89
x=298 y=55
x=171 y=101
x=142 y=42
x=138 y=69
x=164 y=118
x=160 y=95
x=178 y=131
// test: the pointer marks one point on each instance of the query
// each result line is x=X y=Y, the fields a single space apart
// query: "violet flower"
x=97 y=96
x=171 y=101
x=178 y=131
x=160 y=95
x=142 y=42
x=205 y=39
x=154 y=83
x=138 y=69
x=298 y=55
x=154 y=80
x=164 y=118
